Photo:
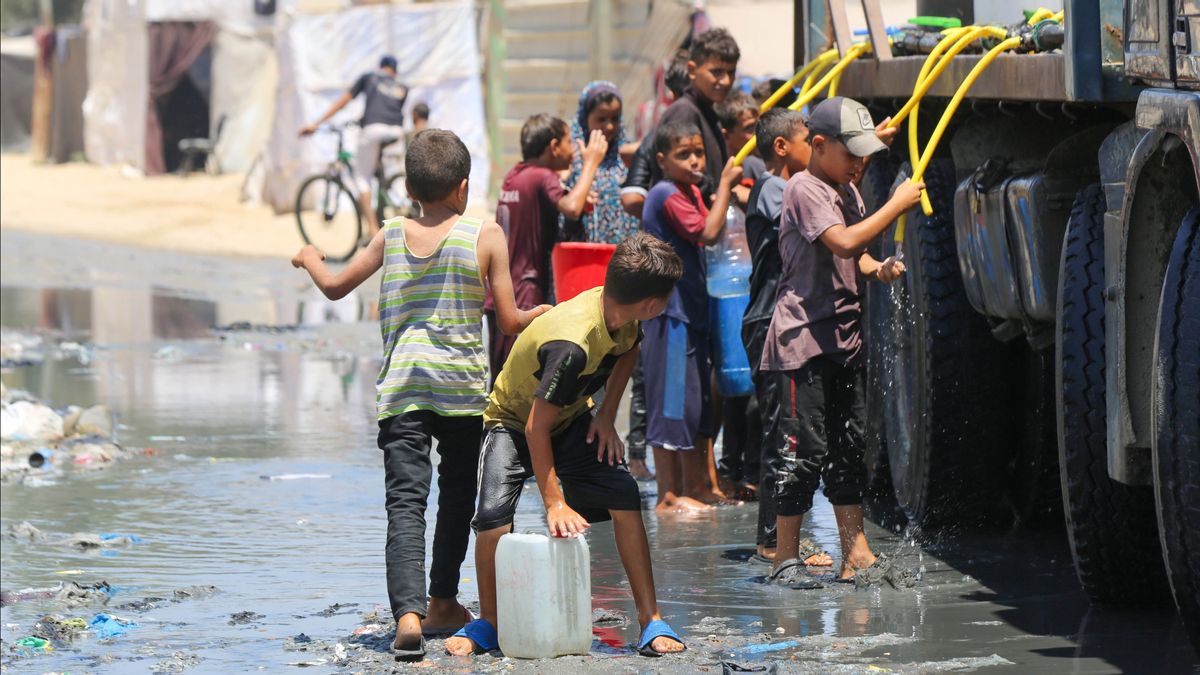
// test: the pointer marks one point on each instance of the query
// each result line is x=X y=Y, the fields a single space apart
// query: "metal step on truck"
x=1041 y=357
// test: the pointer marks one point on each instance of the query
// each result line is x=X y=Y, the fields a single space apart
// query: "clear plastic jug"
x=543 y=596
x=729 y=264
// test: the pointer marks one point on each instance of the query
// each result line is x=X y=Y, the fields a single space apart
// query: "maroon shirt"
x=818 y=310
x=528 y=212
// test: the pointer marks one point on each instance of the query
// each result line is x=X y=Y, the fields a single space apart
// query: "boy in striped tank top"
x=434 y=374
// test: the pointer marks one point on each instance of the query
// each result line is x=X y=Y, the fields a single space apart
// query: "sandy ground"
x=198 y=214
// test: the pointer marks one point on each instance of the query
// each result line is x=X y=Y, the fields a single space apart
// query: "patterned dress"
x=607 y=223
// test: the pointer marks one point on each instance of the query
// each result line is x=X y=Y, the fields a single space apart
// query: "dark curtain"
x=174 y=45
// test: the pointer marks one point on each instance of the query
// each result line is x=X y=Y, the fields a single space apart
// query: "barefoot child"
x=434 y=373
x=540 y=423
x=675 y=213
x=813 y=347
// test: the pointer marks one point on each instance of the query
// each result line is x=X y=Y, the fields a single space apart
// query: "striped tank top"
x=431 y=316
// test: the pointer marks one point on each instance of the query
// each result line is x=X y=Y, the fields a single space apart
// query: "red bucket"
x=579 y=267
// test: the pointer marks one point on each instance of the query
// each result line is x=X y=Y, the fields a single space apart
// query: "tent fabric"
x=321 y=55
x=69 y=72
x=243 y=77
x=243 y=94
x=115 y=107
x=174 y=47
x=16 y=96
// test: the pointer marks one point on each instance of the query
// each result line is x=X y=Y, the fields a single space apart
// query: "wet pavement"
x=228 y=570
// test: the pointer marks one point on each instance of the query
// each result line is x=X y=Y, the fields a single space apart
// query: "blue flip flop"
x=656 y=629
x=482 y=633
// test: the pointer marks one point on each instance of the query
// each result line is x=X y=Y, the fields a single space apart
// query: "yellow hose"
x=926 y=79
x=791 y=84
x=1040 y=15
x=944 y=122
x=806 y=97
x=818 y=72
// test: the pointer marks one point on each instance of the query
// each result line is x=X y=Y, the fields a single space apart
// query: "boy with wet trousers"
x=433 y=381
x=813 y=347
x=782 y=137
x=540 y=423
x=531 y=198
x=678 y=341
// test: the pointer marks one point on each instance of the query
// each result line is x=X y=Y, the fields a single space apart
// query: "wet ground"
x=297 y=563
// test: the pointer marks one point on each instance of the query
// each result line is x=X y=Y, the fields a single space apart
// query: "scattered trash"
x=35 y=643
x=38 y=440
x=192 y=592
x=296 y=476
x=179 y=662
x=307 y=664
x=70 y=572
x=123 y=538
x=240 y=618
x=107 y=626
x=605 y=618
x=336 y=609
x=59 y=630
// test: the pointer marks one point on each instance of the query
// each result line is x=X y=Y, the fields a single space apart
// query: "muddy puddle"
x=254 y=528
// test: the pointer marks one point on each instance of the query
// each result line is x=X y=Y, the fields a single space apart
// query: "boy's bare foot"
x=445 y=615
x=408 y=631
x=640 y=471
x=665 y=645
x=858 y=561
x=460 y=646
x=768 y=553
x=717 y=498
x=821 y=559
x=673 y=504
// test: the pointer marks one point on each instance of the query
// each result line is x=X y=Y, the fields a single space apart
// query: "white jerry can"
x=543 y=596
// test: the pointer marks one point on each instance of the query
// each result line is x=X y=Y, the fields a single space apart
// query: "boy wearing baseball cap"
x=813 y=347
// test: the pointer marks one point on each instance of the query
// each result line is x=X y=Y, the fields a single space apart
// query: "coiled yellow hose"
x=807 y=96
x=927 y=155
x=809 y=67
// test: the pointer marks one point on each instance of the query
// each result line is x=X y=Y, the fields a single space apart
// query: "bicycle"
x=328 y=210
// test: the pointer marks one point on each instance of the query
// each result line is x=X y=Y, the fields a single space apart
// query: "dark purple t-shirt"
x=819 y=309
x=528 y=213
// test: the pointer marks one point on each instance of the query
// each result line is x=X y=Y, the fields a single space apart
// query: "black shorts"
x=590 y=487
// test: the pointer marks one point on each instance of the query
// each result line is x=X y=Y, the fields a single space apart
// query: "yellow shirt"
x=564 y=356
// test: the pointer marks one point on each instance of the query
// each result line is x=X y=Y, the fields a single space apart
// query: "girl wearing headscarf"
x=600 y=109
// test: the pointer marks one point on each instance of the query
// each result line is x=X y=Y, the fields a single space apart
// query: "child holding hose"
x=813 y=347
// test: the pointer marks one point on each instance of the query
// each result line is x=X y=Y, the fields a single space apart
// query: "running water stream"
x=224 y=411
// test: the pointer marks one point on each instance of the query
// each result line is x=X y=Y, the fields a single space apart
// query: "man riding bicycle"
x=382 y=123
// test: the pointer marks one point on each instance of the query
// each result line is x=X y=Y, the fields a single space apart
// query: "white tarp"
x=321 y=55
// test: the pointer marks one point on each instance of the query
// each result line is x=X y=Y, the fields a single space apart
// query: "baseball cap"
x=848 y=121
x=388 y=62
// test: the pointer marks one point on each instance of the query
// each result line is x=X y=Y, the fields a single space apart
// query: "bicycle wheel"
x=329 y=216
x=394 y=201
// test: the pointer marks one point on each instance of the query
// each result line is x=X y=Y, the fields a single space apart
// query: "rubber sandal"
x=442 y=631
x=409 y=653
x=656 y=629
x=482 y=633
x=793 y=574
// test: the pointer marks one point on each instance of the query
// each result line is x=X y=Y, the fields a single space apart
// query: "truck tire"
x=880 y=498
x=948 y=400
x=1110 y=525
x=1176 y=411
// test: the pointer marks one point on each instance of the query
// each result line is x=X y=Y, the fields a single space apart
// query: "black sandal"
x=794 y=575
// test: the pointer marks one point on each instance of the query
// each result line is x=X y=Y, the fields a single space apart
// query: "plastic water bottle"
x=729 y=268
x=543 y=596
x=729 y=264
